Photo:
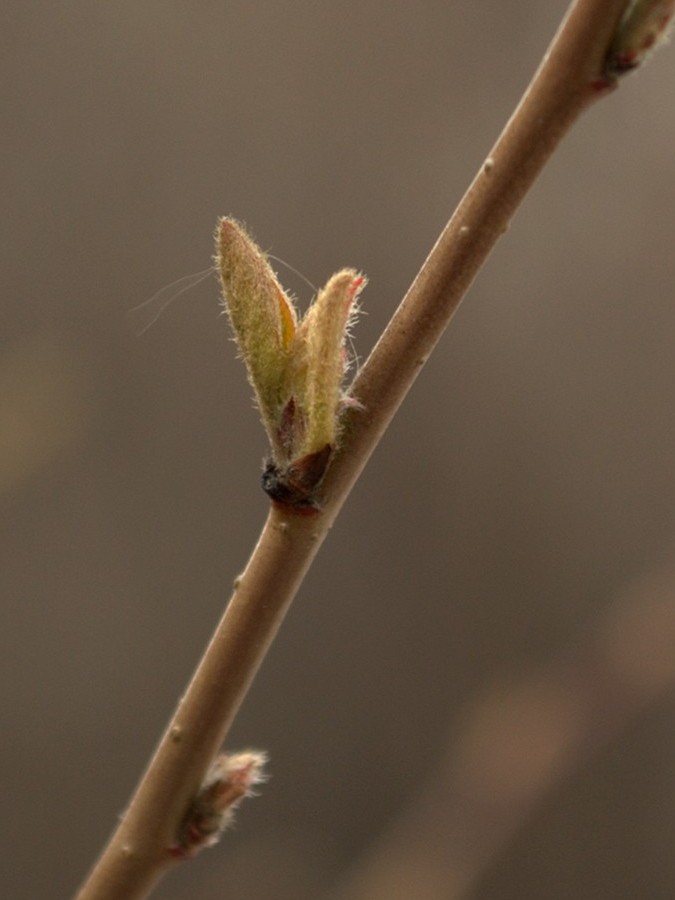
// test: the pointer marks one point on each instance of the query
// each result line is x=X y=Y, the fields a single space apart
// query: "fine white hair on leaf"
x=295 y=271
x=144 y=315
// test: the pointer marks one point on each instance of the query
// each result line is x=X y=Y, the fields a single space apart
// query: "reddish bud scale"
x=296 y=485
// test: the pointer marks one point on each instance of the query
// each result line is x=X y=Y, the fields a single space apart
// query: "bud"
x=643 y=26
x=296 y=366
x=228 y=781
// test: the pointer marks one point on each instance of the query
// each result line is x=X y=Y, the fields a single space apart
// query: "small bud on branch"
x=228 y=781
x=643 y=26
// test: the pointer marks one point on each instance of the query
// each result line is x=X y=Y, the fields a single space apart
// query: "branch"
x=573 y=74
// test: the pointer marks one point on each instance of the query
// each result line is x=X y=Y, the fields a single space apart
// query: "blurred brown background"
x=527 y=482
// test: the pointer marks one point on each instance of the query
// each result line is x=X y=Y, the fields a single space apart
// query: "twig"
x=572 y=75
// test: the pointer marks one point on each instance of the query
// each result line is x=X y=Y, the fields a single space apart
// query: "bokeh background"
x=473 y=694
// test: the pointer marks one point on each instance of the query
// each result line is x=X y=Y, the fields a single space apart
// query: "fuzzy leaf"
x=320 y=344
x=263 y=318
